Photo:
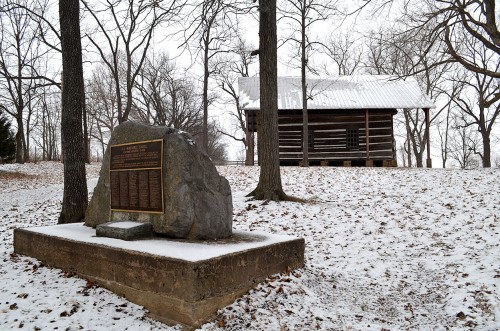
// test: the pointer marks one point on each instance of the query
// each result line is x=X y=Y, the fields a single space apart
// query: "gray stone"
x=197 y=200
x=124 y=230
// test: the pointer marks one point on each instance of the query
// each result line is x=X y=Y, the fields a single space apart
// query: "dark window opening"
x=352 y=138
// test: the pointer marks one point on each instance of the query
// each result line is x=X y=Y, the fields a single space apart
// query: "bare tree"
x=48 y=119
x=447 y=20
x=128 y=36
x=443 y=129
x=463 y=142
x=303 y=14
x=452 y=88
x=269 y=186
x=229 y=69
x=42 y=14
x=212 y=26
x=73 y=98
x=20 y=53
x=478 y=20
x=396 y=52
x=388 y=54
x=216 y=146
x=168 y=97
x=472 y=102
x=346 y=53
x=101 y=103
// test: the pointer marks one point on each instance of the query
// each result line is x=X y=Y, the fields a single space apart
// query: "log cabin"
x=350 y=118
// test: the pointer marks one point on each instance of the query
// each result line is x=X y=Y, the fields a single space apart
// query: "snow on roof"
x=343 y=92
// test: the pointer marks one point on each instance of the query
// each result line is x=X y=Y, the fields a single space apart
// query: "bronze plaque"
x=135 y=176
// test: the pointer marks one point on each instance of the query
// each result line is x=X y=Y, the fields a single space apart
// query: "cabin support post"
x=368 y=162
x=427 y=137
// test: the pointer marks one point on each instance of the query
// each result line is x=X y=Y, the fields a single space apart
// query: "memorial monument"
x=158 y=231
x=160 y=175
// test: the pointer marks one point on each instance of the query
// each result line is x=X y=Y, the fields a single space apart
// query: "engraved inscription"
x=143 y=189
x=133 y=189
x=115 y=189
x=154 y=188
x=124 y=188
x=135 y=177
x=136 y=156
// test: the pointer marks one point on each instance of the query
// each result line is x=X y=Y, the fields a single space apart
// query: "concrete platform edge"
x=173 y=290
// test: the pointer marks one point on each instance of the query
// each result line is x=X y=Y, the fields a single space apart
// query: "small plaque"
x=136 y=177
x=140 y=155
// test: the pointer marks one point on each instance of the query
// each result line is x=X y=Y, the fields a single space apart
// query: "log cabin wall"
x=337 y=136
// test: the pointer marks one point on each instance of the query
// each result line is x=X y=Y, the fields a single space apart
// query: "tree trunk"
x=19 y=138
x=26 y=146
x=205 y=91
x=417 y=144
x=73 y=95
x=445 y=151
x=251 y=149
x=86 y=138
x=305 y=118
x=408 y=139
x=418 y=157
x=119 y=102
x=486 y=150
x=269 y=186
x=20 y=143
x=26 y=137
x=28 y=128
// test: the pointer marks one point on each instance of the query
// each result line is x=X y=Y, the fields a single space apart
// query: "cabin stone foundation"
x=389 y=163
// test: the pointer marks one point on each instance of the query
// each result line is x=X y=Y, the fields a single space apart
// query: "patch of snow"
x=394 y=249
x=123 y=225
x=176 y=249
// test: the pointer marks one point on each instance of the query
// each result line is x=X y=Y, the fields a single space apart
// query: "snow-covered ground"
x=386 y=249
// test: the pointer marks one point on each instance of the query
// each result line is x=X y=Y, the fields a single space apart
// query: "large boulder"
x=197 y=200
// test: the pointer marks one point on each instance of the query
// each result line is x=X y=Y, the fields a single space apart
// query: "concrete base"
x=368 y=163
x=179 y=282
x=346 y=163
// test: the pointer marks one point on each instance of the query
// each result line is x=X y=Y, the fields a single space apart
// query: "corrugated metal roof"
x=344 y=92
